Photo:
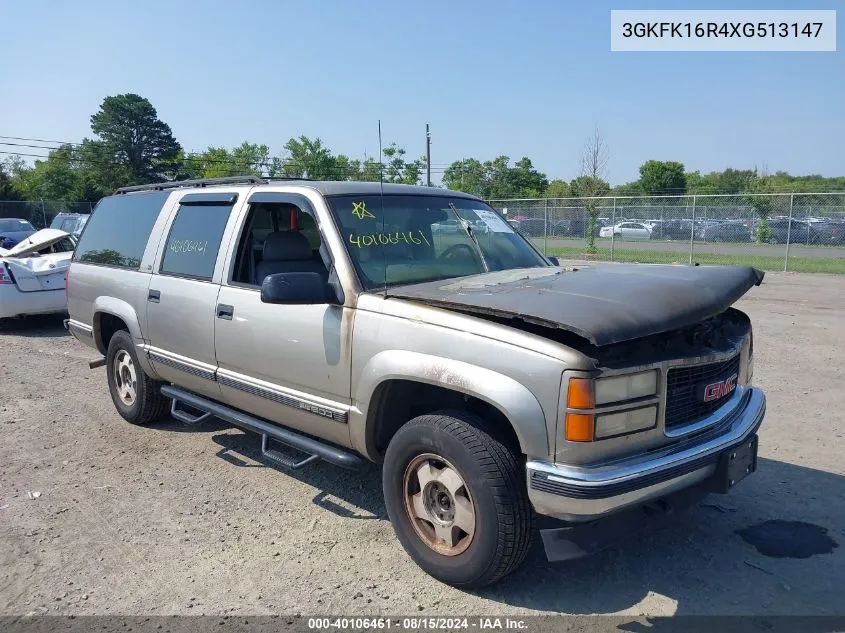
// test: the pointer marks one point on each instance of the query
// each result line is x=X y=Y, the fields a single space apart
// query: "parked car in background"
x=672 y=230
x=32 y=274
x=726 y=231
x=810 y=233
x=13 y=230
x=532 y=227
x=446 y=227
x=73 y=223
x=836 y=231
x=627 y=231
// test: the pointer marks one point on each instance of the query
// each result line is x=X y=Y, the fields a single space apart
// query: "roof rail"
x=200 y=182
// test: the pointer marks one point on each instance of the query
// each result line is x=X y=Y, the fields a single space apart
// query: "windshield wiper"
x=468 y=228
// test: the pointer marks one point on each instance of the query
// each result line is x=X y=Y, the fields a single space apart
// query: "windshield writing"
x=409 y=239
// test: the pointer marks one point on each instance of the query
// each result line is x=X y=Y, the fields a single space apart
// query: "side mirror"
x=554 y=260
x=295 y=288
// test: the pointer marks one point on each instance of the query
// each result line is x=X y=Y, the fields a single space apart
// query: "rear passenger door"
x=182 y=296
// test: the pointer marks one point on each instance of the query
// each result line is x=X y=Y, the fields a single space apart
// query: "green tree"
x=132 y=136
x=397 y=170
x=308 y=158
x=763 y=205
x=64 y=175
x=247 y=159
x=251 y=159
x=591 y=183
x=558 y=189
x=525 y=181
x=662 y=177
x=495 y=178
x=496 y=171
x=728 y=181
x=467 y=175
x=8 y=187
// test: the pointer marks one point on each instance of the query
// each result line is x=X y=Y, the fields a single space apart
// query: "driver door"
x=286 y=363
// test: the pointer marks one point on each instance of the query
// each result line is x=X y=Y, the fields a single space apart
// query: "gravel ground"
x=175 y=520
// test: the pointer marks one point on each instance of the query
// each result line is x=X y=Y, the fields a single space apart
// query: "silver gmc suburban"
x=413 y=327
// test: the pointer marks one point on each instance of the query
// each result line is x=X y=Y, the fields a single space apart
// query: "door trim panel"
x=285 y=398
x=180 y=363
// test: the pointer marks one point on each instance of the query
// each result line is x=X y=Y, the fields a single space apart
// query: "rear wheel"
x=136 y=396
x=457 y=499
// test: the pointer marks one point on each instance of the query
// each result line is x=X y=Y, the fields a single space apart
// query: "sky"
x=531 y=78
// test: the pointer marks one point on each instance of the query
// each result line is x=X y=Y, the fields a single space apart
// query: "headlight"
x=584 y=420
x=626 y=387
x=624 y=422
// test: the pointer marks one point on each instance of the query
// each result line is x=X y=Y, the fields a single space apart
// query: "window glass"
x=194 y=240
x=408 y=239
x=268 y=218
x=15 y=225
x=117 y=233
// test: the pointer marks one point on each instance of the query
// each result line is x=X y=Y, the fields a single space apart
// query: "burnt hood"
x=603 y=303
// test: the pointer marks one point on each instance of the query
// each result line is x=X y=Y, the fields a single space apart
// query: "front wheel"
x=457 y=499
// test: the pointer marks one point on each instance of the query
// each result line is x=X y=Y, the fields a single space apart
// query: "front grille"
x=684 y=391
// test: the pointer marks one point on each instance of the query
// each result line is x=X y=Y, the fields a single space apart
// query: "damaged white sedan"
x=33 y=274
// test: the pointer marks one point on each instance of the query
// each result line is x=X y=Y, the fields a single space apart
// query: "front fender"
x=512 y=398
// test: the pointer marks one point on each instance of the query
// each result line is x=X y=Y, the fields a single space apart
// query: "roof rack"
x=200 y=182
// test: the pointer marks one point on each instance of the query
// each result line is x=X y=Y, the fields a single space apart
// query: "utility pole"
x=427 y=156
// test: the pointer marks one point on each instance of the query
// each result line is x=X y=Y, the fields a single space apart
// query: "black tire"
x=148 y=404
x=495 y=480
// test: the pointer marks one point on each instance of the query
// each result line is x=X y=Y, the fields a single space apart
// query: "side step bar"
x=314 y=448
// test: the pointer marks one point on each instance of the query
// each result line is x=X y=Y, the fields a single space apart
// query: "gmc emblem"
x=720 y=389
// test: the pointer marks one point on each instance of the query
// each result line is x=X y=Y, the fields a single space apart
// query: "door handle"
x=154 y=296
x=225 y=311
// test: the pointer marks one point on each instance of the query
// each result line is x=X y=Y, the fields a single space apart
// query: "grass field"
x=763 y=262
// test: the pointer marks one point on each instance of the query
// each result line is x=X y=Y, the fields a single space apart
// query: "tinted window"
x=117 y=233
x=194 y=240
x=15 y=225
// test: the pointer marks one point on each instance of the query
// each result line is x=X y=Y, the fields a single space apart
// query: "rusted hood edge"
x=602 y=304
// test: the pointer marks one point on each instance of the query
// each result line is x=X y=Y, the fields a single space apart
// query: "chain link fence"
x=802 y=232
x=40 y=213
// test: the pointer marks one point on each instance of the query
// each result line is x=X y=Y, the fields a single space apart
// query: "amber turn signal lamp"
x=581 y=394
x=581 y=427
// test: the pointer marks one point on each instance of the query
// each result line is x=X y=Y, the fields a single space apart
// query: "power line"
x=39 y=140
x=340 y=172
x=56 y=145
x=204 y=160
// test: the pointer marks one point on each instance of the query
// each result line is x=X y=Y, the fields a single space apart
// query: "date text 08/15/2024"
x=417 y=623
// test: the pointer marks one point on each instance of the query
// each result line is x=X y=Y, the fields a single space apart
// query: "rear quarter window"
x=119 y=228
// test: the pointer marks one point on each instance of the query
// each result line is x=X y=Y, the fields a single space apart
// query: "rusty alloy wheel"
x=125 y=378
x=439 y=504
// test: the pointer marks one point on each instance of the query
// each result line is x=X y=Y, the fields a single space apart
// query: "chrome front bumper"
x=579 y=494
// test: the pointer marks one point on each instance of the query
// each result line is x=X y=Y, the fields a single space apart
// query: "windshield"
x=423 y=238
x=15 y=225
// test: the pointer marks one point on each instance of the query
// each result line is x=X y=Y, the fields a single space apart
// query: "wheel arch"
x=398 y=385
x=111 y=314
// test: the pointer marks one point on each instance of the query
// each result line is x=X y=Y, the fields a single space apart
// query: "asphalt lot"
x=683 y=246
x=178 y=520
